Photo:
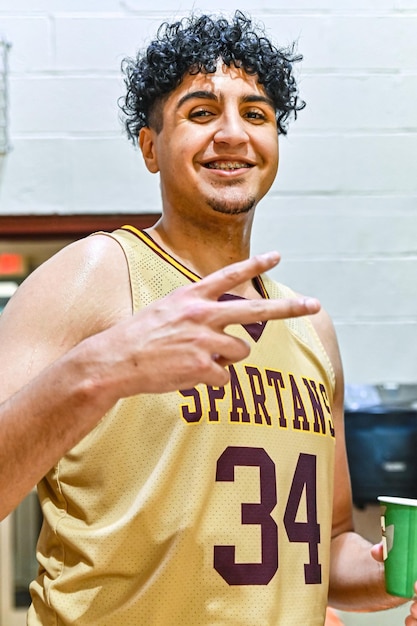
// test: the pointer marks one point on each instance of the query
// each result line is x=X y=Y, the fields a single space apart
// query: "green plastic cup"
x=399 y=538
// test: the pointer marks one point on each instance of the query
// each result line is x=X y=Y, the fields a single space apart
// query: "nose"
x=231 y=129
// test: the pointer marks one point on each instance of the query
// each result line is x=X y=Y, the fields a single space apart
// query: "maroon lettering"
x=258 y=394
x=299 y=409
x=239 y=411
x=189 y=415
x=318 y=413
x=327 y=405
x=305 y=482
x=276 y=381
x=304 y=485
x=258 y=513
x=214 y=393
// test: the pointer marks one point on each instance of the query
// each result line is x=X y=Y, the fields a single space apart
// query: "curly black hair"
x=195 y=44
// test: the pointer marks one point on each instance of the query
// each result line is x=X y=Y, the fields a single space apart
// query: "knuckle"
x=241 y=350
x=258 y=306
x=244 y=348
x=221 y=378
x=201 y=362
x=196 y=311
x=232 y=273
x=203 y=341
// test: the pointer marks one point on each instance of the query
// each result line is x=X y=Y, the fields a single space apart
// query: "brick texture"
x=343 y=209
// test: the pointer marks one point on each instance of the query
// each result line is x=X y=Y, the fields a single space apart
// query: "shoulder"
x=90 y=273
x=80 y=291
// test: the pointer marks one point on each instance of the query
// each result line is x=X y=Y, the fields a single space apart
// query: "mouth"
x=227 y=166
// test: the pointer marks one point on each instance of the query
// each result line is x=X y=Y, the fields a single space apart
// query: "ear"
x=148 y=148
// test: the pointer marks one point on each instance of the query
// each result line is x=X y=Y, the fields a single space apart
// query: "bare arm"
x=356 y=568
x=70 y=353
x=42 y=384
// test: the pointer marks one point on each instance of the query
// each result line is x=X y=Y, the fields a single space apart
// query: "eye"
x=255 y=115
x=201 y=114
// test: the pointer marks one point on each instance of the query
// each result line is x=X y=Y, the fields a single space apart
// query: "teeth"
x=223 y=165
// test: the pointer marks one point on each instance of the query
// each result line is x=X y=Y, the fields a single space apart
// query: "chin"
x=232 y=208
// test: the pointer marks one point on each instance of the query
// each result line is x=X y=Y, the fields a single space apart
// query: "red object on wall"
x=12 y=264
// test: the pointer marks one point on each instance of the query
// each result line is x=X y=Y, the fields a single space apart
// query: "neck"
x=205 y=250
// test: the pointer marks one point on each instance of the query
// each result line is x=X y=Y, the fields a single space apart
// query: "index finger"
x=216 y=284
x=255 y=311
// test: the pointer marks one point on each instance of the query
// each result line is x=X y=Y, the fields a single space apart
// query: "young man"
x=188 y=504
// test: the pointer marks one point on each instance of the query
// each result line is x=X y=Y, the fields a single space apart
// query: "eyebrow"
x=209 y=95
x=202 y=95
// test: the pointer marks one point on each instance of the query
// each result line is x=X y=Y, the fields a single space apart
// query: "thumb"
x=377 y=552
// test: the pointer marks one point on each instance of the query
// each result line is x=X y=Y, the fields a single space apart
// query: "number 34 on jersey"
x=302 y=494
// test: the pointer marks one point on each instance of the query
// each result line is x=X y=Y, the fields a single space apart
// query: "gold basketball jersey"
x=208 y=506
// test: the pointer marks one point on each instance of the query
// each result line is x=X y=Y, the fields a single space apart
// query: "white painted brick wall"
x=343 y=210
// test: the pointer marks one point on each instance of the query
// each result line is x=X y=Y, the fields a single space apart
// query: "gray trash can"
x=381 y=441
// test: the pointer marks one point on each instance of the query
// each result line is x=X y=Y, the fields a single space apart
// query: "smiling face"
x=218 y=146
